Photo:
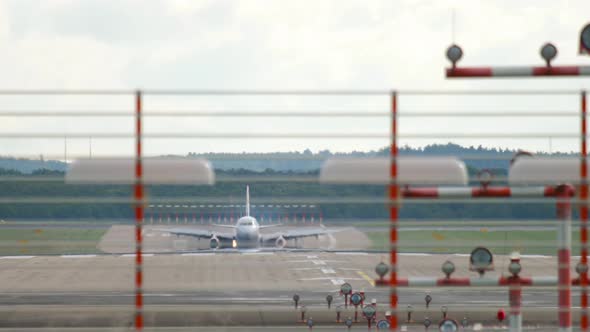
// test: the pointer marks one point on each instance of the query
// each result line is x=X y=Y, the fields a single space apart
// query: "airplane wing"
x=224 y=226
x=299 y=233
x=199 y=233
x=269 y=226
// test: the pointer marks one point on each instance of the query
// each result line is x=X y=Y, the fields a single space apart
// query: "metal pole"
x=564 y=242
x=584 y=216
x=393 y=215
x=515 y=299
x=138 y=194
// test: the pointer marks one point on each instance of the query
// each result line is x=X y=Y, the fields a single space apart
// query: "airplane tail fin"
x=248 y=201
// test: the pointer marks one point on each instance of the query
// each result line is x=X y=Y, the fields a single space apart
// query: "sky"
x=281 y=45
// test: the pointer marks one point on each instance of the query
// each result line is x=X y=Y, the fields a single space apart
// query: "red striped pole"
x=584 y=216
x=564 y=242
x=515 y=300
x=393 y=215
x=138 y=217
x=518 y=71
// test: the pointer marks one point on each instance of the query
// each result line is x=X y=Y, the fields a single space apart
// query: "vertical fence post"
x=138 y=197
x=583 y=215
x=393 y=214
x=515 y=300
x=564 y=194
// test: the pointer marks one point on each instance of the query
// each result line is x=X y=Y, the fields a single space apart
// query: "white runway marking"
x=337 y=282
x=328 y=278
x=328 y=271
x=352 y=253
x=312 y=257
x=77 y=256
x=16 y=257
x=414 y=254
x=317 y=262
x=257 y=253
x=198 y=254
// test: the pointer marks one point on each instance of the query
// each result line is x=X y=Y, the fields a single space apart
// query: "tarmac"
x=187 y=287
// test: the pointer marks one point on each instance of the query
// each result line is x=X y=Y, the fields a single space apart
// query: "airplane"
x=246 y=233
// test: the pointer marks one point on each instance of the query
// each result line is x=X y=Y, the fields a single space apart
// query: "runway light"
x=356 y=299
x=427 y=322
x=346 y=288
x=369 y=311
x=348 y=322
x=585 y=40
x=514 y=268
x=303 y=310
x=581 y=268
x=444 y=311
x=296 y=300
x=501 y=315
x=382 y=324
x=548 y=52
x=481 y=260
x=448 y=325
x=427 y=299
x=448 y=268
x=381 y=269
x=234 y=243
x=329 y=299
x=464 y=322
x=454 y=54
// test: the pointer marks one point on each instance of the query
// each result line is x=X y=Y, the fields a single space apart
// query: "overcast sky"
x=301 y=44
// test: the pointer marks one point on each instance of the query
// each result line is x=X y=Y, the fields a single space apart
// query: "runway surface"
x=249 y=281
x=185 y=286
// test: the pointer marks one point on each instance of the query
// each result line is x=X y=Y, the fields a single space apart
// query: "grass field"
x=38 y=241
x=500 y=242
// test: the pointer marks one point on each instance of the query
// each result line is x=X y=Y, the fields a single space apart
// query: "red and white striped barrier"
x=427 y=282
x=466 y=192
x=518 y=71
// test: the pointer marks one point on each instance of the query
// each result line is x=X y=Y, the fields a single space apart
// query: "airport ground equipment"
x=560 y=180
x=548 y=53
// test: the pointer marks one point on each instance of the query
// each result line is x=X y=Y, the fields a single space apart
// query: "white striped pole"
x=515 y=300
x=564 y=241
x=526 y=71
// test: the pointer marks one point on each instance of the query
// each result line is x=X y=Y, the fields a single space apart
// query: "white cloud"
x=276 y=45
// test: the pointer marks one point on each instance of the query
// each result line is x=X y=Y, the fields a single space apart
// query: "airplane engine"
x=280 y=242
x=214 y=243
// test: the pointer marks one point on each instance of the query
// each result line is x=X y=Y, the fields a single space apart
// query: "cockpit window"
x=247 y=223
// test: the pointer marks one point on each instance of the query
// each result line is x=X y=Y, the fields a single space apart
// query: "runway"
x=238 y=283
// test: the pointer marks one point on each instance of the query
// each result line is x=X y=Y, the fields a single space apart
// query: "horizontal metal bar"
x=251 y=135
x=302 y=92
x=66 y=92
x=275 y=156
x=271 y=200
x=275 y=113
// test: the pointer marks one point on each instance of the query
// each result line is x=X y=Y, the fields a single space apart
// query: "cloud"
x=276 y=45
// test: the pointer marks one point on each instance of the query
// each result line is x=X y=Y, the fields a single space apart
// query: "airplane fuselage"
x=247 y=233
